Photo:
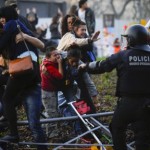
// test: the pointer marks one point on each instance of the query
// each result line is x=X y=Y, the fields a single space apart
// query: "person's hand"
x=19 y=37
x=43 y=69
x=73 y=43
x=59 y=60
x=96 y=102
x=44 y=27
x=95 y=36
x=82 y=66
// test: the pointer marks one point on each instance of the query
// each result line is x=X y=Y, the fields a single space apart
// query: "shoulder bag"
x=21 y=65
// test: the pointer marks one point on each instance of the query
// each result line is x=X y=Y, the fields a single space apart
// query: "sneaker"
x=10 y=138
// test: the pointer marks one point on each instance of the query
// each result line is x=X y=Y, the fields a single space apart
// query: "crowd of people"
x=66 y=67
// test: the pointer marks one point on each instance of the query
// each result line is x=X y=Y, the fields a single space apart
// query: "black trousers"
x=131 y=110
x=15 y=85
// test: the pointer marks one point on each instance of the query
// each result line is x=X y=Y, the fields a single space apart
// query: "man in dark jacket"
x=133 y=88
x=87 y=16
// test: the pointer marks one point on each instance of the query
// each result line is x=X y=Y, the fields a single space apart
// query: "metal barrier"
x=44 y=121
x=69 y=143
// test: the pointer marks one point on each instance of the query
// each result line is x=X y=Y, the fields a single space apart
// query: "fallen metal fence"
x=69 y=143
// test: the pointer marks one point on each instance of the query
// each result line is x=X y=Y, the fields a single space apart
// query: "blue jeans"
x=69 y=94
x=32 y=104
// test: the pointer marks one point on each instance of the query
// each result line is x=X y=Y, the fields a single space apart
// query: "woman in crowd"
x=25 y=84
x=69 y=25
x=55 y=34
x=73 y=10
x=69 y=38
x=87 y=54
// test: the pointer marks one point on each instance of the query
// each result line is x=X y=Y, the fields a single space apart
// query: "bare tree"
x=138 y=9
x=141 y=9
x=119 y=15
x=145 y=8
x=100 y=7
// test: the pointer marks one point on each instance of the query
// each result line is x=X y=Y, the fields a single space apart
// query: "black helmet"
x=137 y=37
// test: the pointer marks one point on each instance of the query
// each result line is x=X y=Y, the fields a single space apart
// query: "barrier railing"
x=69 y=143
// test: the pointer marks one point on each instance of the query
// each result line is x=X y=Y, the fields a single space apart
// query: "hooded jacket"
x=51 y=77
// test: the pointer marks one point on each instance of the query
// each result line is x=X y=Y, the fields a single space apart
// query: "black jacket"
x=133 y=71
x=90 y=20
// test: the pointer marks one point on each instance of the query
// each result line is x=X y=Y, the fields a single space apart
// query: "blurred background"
x=112 y=16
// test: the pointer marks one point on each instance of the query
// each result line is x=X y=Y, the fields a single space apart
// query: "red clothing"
x=116 y=49
x=51 y=77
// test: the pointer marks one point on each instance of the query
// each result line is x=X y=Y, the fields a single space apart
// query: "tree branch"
x=118 y=15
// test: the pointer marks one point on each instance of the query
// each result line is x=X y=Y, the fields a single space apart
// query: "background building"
x=127 y=9
x=115 y=15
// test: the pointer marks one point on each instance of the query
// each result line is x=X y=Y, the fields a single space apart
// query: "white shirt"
x=81 y=14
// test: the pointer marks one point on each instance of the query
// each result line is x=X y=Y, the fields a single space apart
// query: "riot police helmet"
x=137 y=37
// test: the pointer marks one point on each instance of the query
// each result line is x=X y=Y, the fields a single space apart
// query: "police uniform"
x=133 y=90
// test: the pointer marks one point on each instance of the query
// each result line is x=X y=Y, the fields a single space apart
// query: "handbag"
x=21 y=65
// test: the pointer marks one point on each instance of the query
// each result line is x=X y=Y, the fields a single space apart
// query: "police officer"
x=133 y=88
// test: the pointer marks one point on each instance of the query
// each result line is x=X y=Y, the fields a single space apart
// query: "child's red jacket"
x=50 y=77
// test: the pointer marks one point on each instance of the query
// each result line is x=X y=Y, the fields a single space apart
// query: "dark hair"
x=72 y=10
x=78 y=22
x=55 y=19
x=81 y=2
x=64 y=24
x=74 y=51
x=49 y=51
x=9 y=13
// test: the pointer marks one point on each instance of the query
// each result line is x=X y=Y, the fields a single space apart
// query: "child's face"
x=81 y=31
x=55 y=55
x=73 y=61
